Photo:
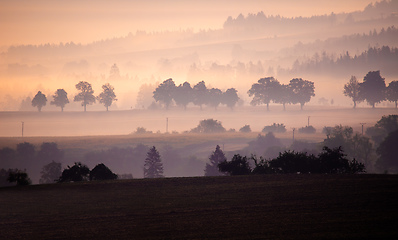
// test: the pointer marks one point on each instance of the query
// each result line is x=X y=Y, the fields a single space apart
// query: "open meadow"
x=79 y=134
x=39 y=124
x=241 y=207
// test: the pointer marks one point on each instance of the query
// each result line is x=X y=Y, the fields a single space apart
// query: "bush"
x=307 y=130
x=18 y=176
x=237 y=166
x=209 y=126
x=102 y=172
x=141 y=130
x=245 y=129
x=275 y=127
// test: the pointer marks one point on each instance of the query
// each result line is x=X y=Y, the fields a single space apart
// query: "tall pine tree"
x=216 y=158
x=153 y=167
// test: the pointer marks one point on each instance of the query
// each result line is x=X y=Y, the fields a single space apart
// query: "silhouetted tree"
x=7 y=157
x=77 y=173
x=4 y=178
x=39 y=101
x=339 y=136
x=114 y=73
x=373 y=88
x=302 y=90
x=183 y=95
x=264 y=91
x=50 y=172
x=263 y=143
x=49 y=152
x=214 y=97
x=18 y=176
x=294 y=162
x=102 y=172
x=153 y=167
x=351 y=90
x=26 y=154
x=245 y=129
x=239 y=165
x=392 y=92
x=307 y=129
x=107 y=96
x=230 y=98
x=86 y=95
x=164 y=92
x=200 y=94
x=283 y=94
x=209 y=126
x=60 y=99
x=388 y=152
x=276 y=128
x=216 y=158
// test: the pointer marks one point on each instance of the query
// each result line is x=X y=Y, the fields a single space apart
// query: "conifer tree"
x=216 y=158
x=153 y=167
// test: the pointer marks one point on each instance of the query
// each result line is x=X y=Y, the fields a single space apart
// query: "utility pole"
x=294 y=129
x=362 y=126
x=167 y=125
x=22 y=128
x=308 y=121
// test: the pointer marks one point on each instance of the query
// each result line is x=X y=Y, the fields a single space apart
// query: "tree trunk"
x=84 y=107
x=62 y=109
x=301 y=105
x=107 y=108
x=284 y=107
x=267 y=106
x=355 y=104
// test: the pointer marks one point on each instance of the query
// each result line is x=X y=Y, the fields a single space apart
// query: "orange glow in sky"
x=46 y=21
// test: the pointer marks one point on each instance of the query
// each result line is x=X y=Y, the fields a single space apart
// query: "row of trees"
x=199 y=95
x=85 y=96
x=268 y=90
x=373 y=89
x=329 y=161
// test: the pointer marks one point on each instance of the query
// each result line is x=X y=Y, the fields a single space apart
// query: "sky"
x=54 y=21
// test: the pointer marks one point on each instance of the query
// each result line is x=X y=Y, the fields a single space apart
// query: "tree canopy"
x=77 y=173
x=102 y=172
x=200 y=94
x=264 y=91
x=373 y=88
x=39 y=101
x=164 y=92
x=216 y=158
x=50 y=172
x=86 y=94
x=302 y=90
x=209 y=126
x=60 y=99
x=230 y=97
x=107 y=96
x=351 y=90
x=392 y=92
x=153 y=167
x=183 y=94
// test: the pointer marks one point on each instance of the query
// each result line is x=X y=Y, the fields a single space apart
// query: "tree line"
x=199 y=95
x=372 y=89
x=85 y=96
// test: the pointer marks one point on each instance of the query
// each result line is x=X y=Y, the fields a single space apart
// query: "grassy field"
x=246 y=207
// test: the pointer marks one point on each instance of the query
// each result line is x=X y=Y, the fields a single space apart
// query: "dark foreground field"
x=248 y=207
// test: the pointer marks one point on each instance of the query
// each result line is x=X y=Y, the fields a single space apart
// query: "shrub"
x=275 y=127
x=307 y=130
x=245 y=129
x=209 y=126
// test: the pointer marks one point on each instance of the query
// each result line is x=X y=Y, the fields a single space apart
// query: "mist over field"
x=132 y=57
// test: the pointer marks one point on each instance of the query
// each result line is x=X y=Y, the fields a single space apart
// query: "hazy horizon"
x=43 y=21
